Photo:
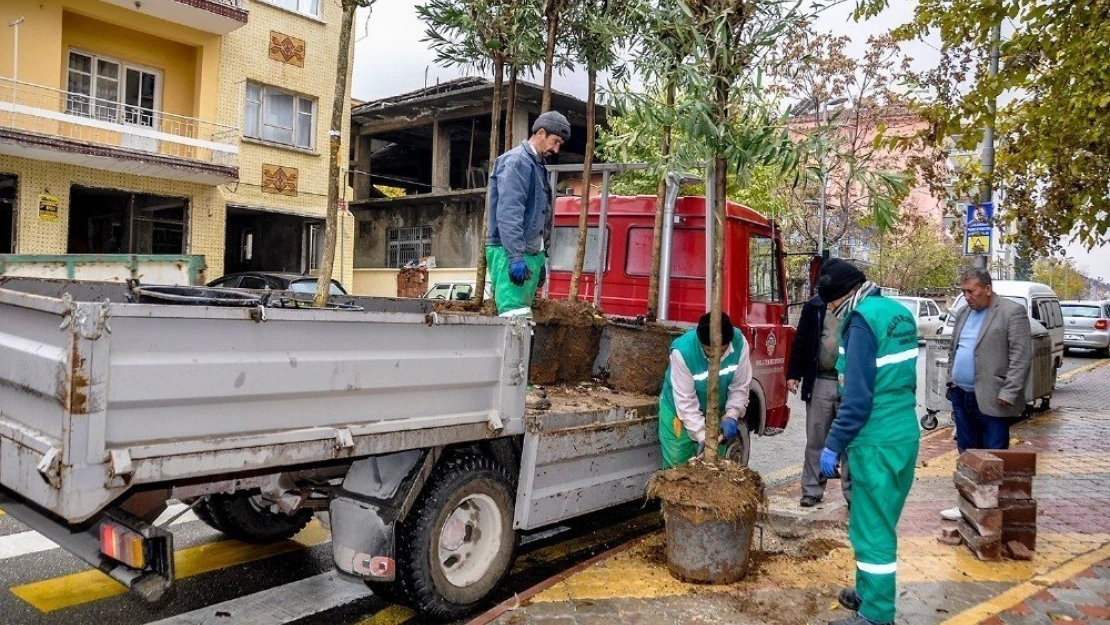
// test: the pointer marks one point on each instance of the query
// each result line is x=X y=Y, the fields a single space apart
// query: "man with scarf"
x=876 y=426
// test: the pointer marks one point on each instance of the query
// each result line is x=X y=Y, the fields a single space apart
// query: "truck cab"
x=754 y=280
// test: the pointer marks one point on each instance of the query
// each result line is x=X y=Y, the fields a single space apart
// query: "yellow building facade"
x=170 y=127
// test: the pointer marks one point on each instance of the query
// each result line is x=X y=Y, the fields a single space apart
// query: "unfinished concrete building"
x=419 y=170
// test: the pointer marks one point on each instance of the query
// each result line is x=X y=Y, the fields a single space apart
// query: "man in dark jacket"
x=813 y=368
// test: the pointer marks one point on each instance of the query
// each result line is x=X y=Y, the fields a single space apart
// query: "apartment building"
x=169 y=127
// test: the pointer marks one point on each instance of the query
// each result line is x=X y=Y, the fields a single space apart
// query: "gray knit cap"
x=554 y=123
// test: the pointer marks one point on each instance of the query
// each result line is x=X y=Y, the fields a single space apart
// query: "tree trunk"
x=720 y=172
x=339 y=109
x=549 y=55
x=510 y=111
x=494 y=151
x=587 y=173
x=657 y=233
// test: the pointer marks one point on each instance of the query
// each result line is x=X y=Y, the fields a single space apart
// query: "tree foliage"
x=1053 y=126
x=1063 y=276
x=914 y=259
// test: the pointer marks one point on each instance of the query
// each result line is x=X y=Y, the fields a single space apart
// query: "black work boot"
x=849 y=599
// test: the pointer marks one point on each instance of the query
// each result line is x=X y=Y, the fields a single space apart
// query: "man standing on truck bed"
x=876 y=425
x=519 y=215
x=683 y=400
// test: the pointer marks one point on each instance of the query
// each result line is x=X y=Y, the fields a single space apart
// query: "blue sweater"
x=518 y=202
x=859 y=385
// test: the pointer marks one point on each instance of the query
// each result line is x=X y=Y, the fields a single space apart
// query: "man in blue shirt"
x=988 y=366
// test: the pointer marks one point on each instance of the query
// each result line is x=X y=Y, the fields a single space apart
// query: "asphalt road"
x=226 y=582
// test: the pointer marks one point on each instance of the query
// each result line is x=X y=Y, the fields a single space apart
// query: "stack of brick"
x=996 y=500
x=412 y=282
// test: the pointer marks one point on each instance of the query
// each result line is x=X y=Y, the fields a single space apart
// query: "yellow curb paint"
x=1020 y=593
x=1085 y=368
x=92 y=585
x=393 y=615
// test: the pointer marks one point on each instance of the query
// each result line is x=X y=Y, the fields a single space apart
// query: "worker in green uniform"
x=683 y=400
x=876 y=426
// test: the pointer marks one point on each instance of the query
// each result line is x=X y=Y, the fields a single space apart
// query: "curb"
x=1066 y=377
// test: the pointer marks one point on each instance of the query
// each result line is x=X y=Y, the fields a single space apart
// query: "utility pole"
x=15 y=43
x=986 y=194
x=823 y=119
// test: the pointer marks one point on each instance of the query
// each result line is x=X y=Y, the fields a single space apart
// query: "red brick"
x=1018 y=551
x=985 y=548
x=986 y=521
x=1016 y=487
x=949 y=533
x=981 y=466
x=1024 y=534
x=1017 y=463
x=1018 y=511
x=1021 y=609
x=982 y=495
x=1094 y=611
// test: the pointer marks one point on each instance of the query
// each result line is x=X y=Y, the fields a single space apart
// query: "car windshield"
x=308 y=285
x=1087 y=312
x=439 y=291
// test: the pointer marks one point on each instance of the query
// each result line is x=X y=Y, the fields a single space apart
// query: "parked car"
x=1039 y=300
x=1087 y=326
x=461 y=290
x=277 y=281
x=925 y=311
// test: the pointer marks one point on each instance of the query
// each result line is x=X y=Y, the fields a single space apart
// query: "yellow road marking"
x=1021 y=592
x=1085 y=368
x=562 y=549
x=92 y=585
x=393 y=615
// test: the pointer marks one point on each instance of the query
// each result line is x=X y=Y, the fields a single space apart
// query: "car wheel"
x=458 y=543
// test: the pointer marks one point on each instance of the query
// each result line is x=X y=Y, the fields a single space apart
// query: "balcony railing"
x=213 y=16
x=99 y=122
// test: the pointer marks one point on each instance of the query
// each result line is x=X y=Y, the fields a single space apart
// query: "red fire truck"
x=754 y=288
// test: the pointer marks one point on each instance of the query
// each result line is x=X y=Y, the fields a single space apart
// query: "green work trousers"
x=881 y=479
x=513 y=300
x=674 y=441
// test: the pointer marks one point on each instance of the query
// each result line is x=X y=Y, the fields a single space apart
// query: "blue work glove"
x=729 y=428
x=829 y=460
x=518 y=272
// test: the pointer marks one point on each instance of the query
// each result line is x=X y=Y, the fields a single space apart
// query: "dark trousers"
x=975 y=430
x=820 y=413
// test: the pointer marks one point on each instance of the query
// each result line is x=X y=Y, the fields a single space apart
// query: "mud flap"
x=376 y=494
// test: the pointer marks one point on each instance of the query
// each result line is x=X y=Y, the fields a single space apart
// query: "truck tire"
x=458 y=542
x=740 y=448
x=204 y=513
x=241 y=515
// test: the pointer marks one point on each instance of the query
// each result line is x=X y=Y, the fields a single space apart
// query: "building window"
x=308 y=7
x=279 y=116
x=312 y=247
x=407 y=245
x=108 y=90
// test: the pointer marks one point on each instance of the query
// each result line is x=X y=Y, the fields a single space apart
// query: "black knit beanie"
x=726 y=329
x=837 y=279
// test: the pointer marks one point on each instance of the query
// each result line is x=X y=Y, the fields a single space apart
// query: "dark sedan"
x=297 y=283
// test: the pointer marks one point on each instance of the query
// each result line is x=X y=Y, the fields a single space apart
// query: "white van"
x=1039 y=300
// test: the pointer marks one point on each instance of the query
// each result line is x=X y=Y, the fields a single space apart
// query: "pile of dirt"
x=702 y=491
x=488 y=308
x=817 y=548
x=638 y=356
x=566 y=341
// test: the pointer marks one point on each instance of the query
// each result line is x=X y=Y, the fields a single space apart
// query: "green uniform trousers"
x=674 y=441
x=513 y=300
x=881 y=479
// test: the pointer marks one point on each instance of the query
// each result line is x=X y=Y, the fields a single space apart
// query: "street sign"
x=978 y=229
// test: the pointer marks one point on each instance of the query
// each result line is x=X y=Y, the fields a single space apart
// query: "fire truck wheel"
x=245 y=516
x=458 y=542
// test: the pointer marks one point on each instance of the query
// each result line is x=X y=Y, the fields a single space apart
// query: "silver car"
x=1087 y=326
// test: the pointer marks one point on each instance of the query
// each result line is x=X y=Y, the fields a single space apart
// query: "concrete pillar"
x=361 y=179
x=521 y=129
x=441 y=158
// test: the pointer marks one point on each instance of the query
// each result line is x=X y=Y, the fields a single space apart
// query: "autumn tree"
x=1062 y=275
x=915 y=258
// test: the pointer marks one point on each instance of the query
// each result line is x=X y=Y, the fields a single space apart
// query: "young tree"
x=598 y=27
x=485 y=35
x=339 y=111
x=553 y=14
x=914 y=258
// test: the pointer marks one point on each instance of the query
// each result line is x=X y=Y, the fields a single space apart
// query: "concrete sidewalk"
x=803 y=557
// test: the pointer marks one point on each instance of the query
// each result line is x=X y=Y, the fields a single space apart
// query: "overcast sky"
x=390 y=59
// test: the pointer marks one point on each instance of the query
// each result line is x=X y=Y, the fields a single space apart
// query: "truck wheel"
x=740 y=448
x=244 y=516
x=458 y=542
x=204 y=513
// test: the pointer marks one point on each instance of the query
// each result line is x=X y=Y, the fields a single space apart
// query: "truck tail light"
x=121 y=544
x=1102 y=324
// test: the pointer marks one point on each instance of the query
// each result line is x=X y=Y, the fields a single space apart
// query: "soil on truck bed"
x=591 y=396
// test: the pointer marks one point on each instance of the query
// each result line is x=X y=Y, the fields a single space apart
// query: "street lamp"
x=823 y=119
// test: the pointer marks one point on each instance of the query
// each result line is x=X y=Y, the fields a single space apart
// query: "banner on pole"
x=979 y=229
